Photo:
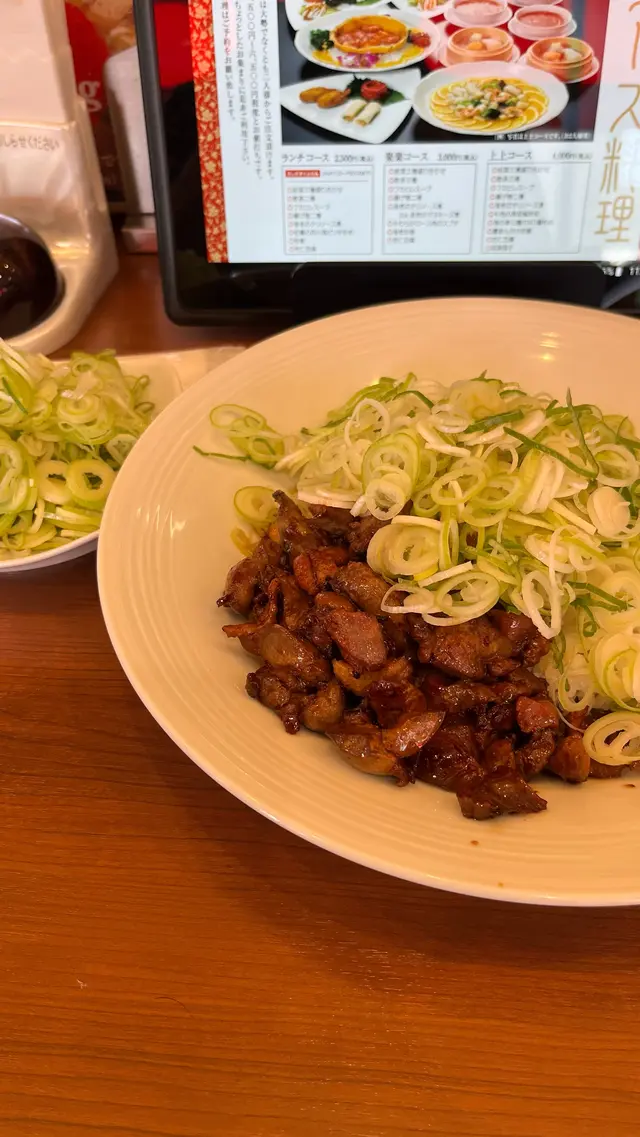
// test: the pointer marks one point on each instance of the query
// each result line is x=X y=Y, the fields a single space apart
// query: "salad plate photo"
x=429 y=8
x=357 y=107
x=303 y=12
x=401 y=547
x=489 y=98
x=375 y=42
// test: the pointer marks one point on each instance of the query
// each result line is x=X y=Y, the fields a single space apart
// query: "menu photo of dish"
x=361 y=108
x=519 y=67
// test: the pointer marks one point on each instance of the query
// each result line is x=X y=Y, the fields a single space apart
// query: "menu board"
x=357 y=130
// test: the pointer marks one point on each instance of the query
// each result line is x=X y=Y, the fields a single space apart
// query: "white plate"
x=442 y=55
x=451 y=17
x=294 y=8
x=165 y=549
x=515 y=28
x=554 y=89
x=170 y=374
x=583 y=78
x=411 y=20
x=389 y=119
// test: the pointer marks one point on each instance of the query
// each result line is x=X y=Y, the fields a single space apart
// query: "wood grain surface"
x=174 y=965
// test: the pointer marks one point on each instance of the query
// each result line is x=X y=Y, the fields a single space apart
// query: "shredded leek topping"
x=65 y=430
x=494 y=496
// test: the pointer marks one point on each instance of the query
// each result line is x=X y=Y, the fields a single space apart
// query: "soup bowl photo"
x=475 y=13
x=539 y=21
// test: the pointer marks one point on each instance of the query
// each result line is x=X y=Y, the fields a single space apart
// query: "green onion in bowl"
x=65 y=430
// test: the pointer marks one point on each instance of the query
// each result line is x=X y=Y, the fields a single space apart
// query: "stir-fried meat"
x=536 y=714
x=496 y=718
x=463 y=650
x=362 y=585
x=412 y=732
x=293 y=531
x=450 y=757
x=360 y=533
x=277 y=690
x=533 y=757
x=502 y=791
x=335 y=523
x=312 y=570
x=520 y=682
x=281 y=648
x=325 y=601
x=522 y=634
x=264 y=613
x=322 y=711
x=499 y=756
x=391 y=701
x=570 y=760
x=457 y=707
x=465 y=696
x=365 y=749
x=395 y=671
x=359 y=638
x=245 y=578
x=295 y=603
x=377 y=751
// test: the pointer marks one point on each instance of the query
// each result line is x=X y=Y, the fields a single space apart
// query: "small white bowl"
x=169 y=373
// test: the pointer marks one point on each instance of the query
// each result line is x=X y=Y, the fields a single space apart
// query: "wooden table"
x=174 y=965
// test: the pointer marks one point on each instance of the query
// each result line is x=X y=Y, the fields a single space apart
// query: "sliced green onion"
x=532 y=444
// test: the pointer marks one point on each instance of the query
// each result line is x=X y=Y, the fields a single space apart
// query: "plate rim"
x=342 y=848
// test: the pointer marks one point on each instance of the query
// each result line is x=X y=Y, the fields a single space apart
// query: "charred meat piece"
x=360 y=533
x=359 y=638
x=533 y=757
x=520 y=682
x=295 y=603
x=329 y=600
x=412 y=732
x=273 y=691
x=450 y=757
x=463 y=650
x=362 y=585
x=281 y=648
x=522 y=635
x=291 y=530
x=570 y=760
x=466 y=696
x=536 y=714
x=312 y=570
x=335 y=523
x=391 y=701
x=395 y=671
x=377 y=751
x=365 y=749
x=248 y=575
x=502 y=791
x=498 y=718
x=499 y=756
x=263 y=614
x=322 y=711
